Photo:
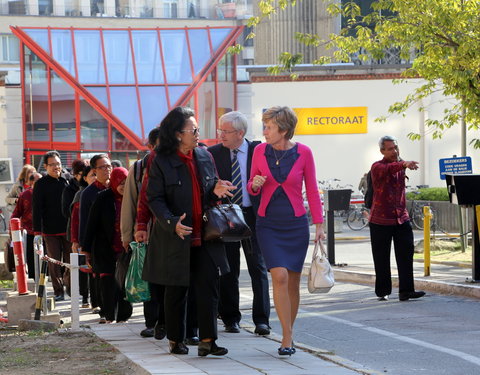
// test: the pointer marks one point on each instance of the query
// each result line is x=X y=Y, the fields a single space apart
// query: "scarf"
x=117 y=177
x=196 y=197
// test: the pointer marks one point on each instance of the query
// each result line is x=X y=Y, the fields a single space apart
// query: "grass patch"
x=445 y=251
x=6 y=284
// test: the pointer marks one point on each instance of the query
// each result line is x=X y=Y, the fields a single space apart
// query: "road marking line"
x=396 y=336
x=466 y=357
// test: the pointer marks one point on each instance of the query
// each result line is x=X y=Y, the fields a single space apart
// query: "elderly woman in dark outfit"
x=182 y=182
x=102 y=236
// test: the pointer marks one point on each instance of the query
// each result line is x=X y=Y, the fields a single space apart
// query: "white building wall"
x=348 y=156
x=11 y=137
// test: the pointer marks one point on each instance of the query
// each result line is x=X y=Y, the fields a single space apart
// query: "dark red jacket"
x=389 y=205
x=144 y=215
x=23 y=210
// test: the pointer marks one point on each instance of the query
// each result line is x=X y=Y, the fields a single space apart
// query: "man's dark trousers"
x=58 y=248
x=381 y=238
x=229 y=308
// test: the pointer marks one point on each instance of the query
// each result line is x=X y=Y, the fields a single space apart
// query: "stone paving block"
x=20 y=307
x=36 y=325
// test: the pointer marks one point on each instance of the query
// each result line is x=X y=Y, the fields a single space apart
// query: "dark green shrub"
x=429 y=194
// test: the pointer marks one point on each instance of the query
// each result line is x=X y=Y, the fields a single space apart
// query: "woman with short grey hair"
x=280 y=167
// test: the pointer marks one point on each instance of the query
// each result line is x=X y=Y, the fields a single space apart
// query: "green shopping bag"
x=136 y=289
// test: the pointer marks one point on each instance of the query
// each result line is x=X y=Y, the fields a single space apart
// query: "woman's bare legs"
x=294 y=293
x=286 y=296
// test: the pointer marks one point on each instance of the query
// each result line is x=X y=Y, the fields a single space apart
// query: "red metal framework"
x=82 y=92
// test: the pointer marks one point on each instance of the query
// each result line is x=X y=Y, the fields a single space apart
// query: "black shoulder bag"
x=225 y=222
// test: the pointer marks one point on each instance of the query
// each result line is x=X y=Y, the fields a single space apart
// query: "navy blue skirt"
x=282 y=237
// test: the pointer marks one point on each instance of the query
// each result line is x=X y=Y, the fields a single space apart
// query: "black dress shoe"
x=262 y=329
x=406 y=296
x=159 y=331
x=383 y=298
x=205 y=348
x=147 y=332
x=178 y=348
x=192 y=341
x=232 y=328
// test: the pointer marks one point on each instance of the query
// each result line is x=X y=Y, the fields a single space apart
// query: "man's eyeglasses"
x=221 y=131
x=195 y=131
x=104 y=167
x=54 y=165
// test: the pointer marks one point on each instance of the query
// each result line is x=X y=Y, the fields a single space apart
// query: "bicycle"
x=416 y=215
x=358 y=218
x=3 y=222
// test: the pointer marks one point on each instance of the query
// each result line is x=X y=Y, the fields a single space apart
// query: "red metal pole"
x=20 y=268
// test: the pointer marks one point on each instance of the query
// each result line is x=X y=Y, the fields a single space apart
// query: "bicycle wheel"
x=356 y=219
x=416 y=217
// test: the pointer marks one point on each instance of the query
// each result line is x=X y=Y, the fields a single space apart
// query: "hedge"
x=428 y=194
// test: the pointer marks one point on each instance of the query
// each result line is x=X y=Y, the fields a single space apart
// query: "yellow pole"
x=427 y=215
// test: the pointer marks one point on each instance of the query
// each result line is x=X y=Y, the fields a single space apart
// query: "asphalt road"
x=435 y=335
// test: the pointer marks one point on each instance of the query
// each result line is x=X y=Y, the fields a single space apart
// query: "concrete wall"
x=348 y=156
x=11 y=137
x=275 y=35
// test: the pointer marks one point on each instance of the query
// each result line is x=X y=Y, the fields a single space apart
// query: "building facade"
x=108 y=72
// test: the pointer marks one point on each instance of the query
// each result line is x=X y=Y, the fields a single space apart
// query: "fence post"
x=20 y=268
x=41 y=294
x=427 y=215
x=74 y=291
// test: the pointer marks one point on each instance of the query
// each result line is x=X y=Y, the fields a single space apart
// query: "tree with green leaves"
x=441 y=39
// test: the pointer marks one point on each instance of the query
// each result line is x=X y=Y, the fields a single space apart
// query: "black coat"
x=223 y=162
x=100 y=231
x=67 y=198
x=47 y=205
x=169 y=194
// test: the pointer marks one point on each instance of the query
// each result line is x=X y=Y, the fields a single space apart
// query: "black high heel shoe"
x=287 y=350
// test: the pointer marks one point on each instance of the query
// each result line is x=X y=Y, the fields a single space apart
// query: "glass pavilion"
x=87 y=91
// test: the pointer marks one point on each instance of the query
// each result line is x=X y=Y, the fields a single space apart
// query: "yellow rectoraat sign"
x=334 y=120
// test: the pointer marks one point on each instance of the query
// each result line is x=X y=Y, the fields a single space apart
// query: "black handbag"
x=225 y=222
x=9 y=256
x=121 y=268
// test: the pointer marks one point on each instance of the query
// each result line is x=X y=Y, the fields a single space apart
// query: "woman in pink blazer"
x=279 y=169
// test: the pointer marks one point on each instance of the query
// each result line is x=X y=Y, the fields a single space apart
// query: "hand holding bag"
x=225 y=222
x=136 y=289
x=320 y=276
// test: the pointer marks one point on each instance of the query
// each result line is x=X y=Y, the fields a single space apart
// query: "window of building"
x=17 y=7
x=246 y=32
x=170 y=9
x=9 y=48
x=121 y=84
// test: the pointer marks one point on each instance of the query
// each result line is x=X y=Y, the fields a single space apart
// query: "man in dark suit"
x=237 y=151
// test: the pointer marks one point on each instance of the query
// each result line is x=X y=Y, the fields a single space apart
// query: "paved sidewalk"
x=248 y=355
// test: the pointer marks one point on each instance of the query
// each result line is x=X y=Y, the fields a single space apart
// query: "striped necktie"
x=236 y=179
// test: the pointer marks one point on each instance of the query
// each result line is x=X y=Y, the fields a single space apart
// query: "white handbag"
x=320 y=276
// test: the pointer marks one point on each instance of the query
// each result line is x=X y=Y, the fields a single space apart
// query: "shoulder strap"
x=137 y=174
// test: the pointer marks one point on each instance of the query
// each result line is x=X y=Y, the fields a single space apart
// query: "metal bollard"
x=41 y=290
x=20 y=268
x=74 y=290
x=427 y=216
